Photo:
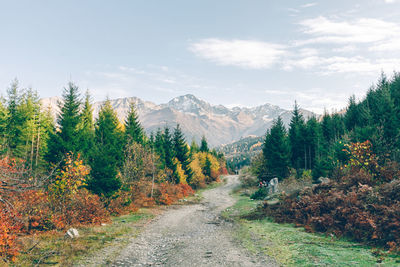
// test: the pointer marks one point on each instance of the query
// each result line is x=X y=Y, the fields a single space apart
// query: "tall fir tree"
x=3 y=126
x=14 y=117
x=204 y=144
x=313 y=142
x=169 y=152
x=66 y=137
x=159 y=147
x=182 y=152
x=194 y=148
x=107 y=156
x=297 y=132
x=86 y=128
x=133 y=129
x=207 y=167
x=276 y=151
x=29 y=110
x=352 y=115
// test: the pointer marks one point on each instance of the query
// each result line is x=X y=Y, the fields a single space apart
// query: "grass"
x=292 y=246
x=52 y=249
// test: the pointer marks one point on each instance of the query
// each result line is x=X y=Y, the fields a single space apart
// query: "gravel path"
x=191 y=235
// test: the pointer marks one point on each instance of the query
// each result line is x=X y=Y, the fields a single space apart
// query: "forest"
x=81 y=170
x=339 y=173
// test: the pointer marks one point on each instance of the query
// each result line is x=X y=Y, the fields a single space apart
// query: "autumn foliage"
x=27 y=208
x=363 y=204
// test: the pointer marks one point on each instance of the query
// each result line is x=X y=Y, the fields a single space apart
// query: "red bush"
x=9 y=226
x=84 y=209
x=351 y=207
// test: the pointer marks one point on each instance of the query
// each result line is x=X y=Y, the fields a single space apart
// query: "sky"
x=230 y=52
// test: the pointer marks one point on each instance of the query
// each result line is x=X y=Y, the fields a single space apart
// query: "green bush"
x=260 y=194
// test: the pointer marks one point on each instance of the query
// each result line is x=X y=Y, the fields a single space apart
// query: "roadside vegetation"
x=339 y=175
x=291 y=245
x=81 y=172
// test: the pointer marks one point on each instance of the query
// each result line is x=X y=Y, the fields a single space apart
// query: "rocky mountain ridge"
x=220 y=125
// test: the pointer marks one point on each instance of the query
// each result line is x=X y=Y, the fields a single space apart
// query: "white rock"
x=72 y=233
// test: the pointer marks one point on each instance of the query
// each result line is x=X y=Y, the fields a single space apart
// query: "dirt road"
x=191 y=235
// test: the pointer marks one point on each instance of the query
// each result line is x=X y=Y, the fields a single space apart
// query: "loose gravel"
x=190 y=235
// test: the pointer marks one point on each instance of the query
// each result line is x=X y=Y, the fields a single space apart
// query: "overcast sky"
x=227 y=52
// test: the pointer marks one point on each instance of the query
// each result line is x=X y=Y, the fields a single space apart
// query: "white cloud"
x=345 y=49
x=335 y=46
x=390 y=1
x=242 y=53
x=362 y=30
x=309 y=5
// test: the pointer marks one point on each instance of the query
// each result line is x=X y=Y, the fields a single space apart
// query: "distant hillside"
x=239 y=153
x=220 y=125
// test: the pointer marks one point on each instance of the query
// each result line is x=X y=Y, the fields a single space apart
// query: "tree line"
x=318 y=144
x=109 y=147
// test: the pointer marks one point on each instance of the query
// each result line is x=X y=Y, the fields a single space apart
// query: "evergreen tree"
x=86 y=128
x=204 y=145
x=276 y=151
x=327 y=129
x=297 y=132
x=159 y=147
x=45 y=130
x=14 y=117
x=207 y=167
x=182 y=152
x=194 y=148
x=151 y=140
x=107 y=154
x=352 y=114
x=168 y=149
x=3 y=126
x=29 y=113
x=313 y=142
x=66 y=138
x=133 y=130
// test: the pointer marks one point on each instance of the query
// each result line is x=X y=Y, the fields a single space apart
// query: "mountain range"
x=219 y=124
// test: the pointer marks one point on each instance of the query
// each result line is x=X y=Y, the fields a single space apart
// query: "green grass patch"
x=52 y=249
x=292 y=246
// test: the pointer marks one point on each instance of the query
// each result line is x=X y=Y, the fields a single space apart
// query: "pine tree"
x=133 y=129
x=107 y=154
x=207 y=167
x=14 y=117
x=29 y=113
x=45 y=130
x=204 y=145
x=86 y=128
x=276 y=151
x=169 y=152
x=297 y=132
x=313 y=142
x=327 y=129
x=3 y=126
x=194 y=148
x=352 y=114
x=66 y=138
x=182 y=152
x=159 y=147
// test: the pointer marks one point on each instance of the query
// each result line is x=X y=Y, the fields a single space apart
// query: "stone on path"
x=72 y=233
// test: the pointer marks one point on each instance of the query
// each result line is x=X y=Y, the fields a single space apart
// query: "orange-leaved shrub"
x=9 y=226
